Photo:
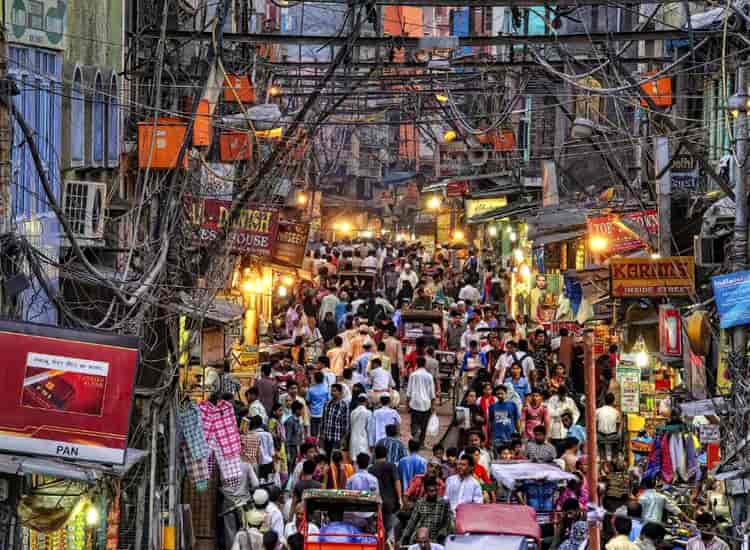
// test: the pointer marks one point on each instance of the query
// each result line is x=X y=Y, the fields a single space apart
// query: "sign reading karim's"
x=36 y=22
x=639 y=277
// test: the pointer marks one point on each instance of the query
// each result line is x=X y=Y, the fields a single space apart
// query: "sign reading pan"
x=66 y=393
x=641 y=277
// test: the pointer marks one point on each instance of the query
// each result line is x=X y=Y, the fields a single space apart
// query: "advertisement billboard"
x=642 y=277
x=66 y=393
x=618 y=238
x=732 y=294
x=254 y=233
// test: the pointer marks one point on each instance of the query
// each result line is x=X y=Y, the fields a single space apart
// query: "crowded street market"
x=374 y=275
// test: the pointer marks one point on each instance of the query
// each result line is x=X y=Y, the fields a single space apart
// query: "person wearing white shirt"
x=370 y=263
x=381 y=418
x=408 y=274
x=608 y=426
x=556 y=406
x=502 y=367
x=274 y=520
x=381 y=380
x=295 y=525
x=470 y=334
x=469 y=294
x=462 y=488
x=422 y=541
x=420 y=398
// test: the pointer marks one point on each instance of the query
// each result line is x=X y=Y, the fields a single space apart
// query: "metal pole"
x=6 y=211
x=172 y=502
x=153 y=522
x=664 y=194
x=592 y=463
x=739 y=334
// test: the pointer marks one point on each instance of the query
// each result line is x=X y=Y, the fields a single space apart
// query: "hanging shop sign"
x=640 y=277
x=255 y=231
x=455 y=189
x=670 y=331
x=630 y=388
x=474 y=207
x=614 y=231
x=66 y=393
x=732 y=294
x=291 y=241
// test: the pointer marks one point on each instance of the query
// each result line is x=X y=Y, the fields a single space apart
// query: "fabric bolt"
x=667 y=466
x=191 y=425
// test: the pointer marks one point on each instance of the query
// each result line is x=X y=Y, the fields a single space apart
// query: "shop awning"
x=82 y=471
x=218 y=310
x=512 y=210
x=550 y=238
x=398 y=177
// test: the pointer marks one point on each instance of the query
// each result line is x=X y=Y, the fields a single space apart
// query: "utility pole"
x=663 y=194
x=592 y=463
x=6 y=211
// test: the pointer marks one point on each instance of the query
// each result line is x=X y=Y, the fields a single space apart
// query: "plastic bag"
x=433 y=426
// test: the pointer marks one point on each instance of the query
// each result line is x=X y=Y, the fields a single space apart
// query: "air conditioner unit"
x=709 y=250
x=84 y=204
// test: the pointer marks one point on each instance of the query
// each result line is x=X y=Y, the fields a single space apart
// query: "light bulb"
x=492 y=231
x=518 y=254
x=513 y=236
x=282 y=292
x=598 y=244
x=449 y=136
x=92 y=516
x=641 y=359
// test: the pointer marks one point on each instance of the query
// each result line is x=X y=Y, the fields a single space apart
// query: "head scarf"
x=578 y=534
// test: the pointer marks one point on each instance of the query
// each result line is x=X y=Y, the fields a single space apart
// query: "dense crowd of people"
x=329 y=415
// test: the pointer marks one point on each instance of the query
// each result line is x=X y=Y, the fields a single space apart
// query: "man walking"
x=431 y=513
x=335 y=423
x=463 y=488
x=420 y=398
x=390 y=489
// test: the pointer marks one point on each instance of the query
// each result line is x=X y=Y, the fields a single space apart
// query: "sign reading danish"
x=641 y=277
x=254 y=231
x=66 y=393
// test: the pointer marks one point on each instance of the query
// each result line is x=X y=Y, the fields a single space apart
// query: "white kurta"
x=359 y=442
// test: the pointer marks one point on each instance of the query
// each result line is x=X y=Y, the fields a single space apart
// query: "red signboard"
x=619 y=239
x=254 y=232
x=66 y=393
x=456 y=189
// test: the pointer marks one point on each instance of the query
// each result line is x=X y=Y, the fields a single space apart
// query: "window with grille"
x=98 y=128
x=77 y=116
x=35 y=15
x=113 y=124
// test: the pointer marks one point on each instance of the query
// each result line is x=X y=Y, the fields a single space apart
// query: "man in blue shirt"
x=411 y=466
x=317 y=397
x=363 y=480
x=504 y=418
x=574 y=430
x=474 y=359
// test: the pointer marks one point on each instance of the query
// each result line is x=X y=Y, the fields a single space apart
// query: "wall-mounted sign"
x=670 y=331
x=685 y=172
x=291 y=242
x=709 y=433
x=66 y=393
x=255 y=231
x=456 y=189
x=732 y=294
x=639 y=277
x=475 y=207
x=619 y=239
x=630 y=388
x=38 y=23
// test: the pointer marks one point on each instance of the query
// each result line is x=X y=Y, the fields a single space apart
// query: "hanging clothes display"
x=223 y=440
x=194 y=447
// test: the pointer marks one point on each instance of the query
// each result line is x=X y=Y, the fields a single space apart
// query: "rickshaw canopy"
x=498 y=519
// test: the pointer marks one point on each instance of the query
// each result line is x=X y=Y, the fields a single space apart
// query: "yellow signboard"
x=640 y=277
x=475 y=207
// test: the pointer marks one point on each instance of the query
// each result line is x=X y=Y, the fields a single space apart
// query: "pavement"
x=445 y=415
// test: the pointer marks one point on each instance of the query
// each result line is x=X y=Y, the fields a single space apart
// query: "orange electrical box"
x=235 y=146
x=237 y=87
x=504 y=141
x=202 y=125
x=167 y=134
x=486 y=139
x=659 y=90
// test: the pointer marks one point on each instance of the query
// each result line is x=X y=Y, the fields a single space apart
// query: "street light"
x=598 y=244
x=434 y=203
